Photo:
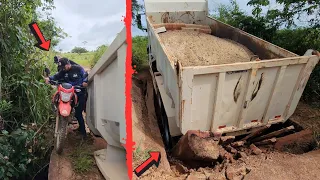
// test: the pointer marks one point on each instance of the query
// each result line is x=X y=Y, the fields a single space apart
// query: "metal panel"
x=166 y=68
x=106 y=93
x=170 y=111
x=176 y=11
x=203 y=84
x=302 y=84
x=260 y=92
x=175 y=5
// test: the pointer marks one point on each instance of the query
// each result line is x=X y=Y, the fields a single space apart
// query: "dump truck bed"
x=227 y=97
x=193 y=48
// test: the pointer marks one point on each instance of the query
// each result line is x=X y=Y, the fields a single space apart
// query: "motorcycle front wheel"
x=61 y=135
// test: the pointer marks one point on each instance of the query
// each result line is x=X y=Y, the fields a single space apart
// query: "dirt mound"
x=146 y=133
x=192 y=48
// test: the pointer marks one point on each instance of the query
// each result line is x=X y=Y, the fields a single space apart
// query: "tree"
x=79 y=50
x=257 y=25
x=136 y=17
x=52 y=31
x=84 y=42
x=290 y=11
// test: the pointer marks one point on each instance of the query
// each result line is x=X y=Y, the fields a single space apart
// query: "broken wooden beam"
x=225 y=140
x=255 y=133
x=274 y=134
x=299 y=139
x=266 y=142
x=237 y=144
x=231 y=149
x=255 y=150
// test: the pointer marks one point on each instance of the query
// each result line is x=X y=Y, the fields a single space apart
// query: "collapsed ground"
x=290 y=159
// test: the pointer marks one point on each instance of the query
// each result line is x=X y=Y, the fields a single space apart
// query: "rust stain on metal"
x=182 y=107
x=165 y=17
x=237 y=91
x=257 y=88
x=189 y=14
x=151 y=19
x=254 y=73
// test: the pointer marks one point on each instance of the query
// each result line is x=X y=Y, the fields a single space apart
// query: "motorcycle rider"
x=56 y=60
x=60 y=67
x=73 y=74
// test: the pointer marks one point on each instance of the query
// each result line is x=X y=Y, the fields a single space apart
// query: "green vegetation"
x=141 y=155
x=97 y=54
x=136 y=17
x=82 y=158
x=87 y=60
x=25 y=99
x=139 y=52
x=83 y=59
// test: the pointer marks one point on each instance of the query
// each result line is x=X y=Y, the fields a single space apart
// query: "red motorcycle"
x=64 y=102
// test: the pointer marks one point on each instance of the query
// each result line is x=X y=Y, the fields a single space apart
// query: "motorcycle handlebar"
x=59 y=82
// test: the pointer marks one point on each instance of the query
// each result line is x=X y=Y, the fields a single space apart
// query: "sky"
x=98 y=21
x=95 y=21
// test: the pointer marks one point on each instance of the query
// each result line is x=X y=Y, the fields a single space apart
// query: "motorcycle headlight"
x=65 y=97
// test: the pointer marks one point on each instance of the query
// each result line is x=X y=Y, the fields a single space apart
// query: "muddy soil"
x=270 y=164
x=193 y=48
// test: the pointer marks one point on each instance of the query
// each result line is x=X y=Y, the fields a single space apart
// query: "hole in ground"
x=294 y=148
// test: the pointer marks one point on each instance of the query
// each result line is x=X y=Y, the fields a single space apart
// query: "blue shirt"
x=75 y=76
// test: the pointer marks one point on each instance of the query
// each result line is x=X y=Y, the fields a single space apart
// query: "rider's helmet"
x=62 y=63
x=56 y=59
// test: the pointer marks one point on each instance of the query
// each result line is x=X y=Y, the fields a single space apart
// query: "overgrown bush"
x=15 y=153
x=25 y=99
x=97 y=55
x=299 y=41
x=139 y=52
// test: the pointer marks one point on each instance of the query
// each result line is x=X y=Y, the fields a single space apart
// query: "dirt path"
x=77 y=161
x=284 y=166
x=268 y=165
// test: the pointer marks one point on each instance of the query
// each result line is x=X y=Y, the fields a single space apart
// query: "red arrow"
x=154 y=159
x=42 y=42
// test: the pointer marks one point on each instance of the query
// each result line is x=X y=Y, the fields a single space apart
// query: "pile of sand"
x=192 y=48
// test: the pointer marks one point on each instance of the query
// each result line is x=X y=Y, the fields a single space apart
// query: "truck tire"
x=163 y=122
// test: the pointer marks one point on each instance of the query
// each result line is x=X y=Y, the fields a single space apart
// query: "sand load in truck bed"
x=193 y=48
